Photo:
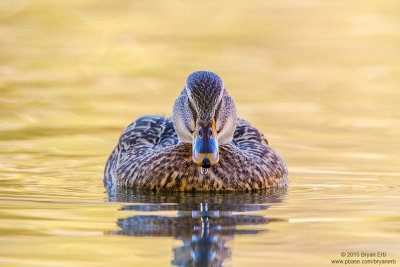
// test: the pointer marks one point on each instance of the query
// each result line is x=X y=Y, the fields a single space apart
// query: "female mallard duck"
x=204 y=146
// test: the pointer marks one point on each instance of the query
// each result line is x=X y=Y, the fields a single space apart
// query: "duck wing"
x=140 y=137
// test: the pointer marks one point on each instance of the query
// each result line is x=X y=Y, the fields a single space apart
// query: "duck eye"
x=210 y=132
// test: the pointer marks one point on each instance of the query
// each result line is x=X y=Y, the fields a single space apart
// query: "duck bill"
x=205 y=144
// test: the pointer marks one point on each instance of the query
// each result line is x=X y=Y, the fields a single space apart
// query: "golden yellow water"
x=320 y=78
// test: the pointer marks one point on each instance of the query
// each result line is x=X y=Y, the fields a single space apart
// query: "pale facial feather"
x=225 y=121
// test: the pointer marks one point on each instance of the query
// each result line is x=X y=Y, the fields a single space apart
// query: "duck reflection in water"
x=204 y=221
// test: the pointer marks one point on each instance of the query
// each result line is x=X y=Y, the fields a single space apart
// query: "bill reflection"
x=205 y=222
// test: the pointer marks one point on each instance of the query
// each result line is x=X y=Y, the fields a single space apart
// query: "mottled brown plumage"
x=153 y=154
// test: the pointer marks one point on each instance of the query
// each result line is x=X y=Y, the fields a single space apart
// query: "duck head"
x=204 y=115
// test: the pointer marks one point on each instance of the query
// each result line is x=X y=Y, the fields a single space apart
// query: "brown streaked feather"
x=149 y=156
